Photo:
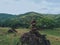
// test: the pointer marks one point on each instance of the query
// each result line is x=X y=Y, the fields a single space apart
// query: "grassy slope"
x=10 y=39
x=53 y=36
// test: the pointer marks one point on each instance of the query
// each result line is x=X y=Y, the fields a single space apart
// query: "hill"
x=23 y=20
x=4 y=16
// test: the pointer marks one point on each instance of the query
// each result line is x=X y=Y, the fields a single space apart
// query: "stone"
x=12 y=30
x=33 y=37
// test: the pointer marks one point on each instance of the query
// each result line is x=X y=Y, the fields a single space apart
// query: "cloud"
x=55 y=1
x=22 y=6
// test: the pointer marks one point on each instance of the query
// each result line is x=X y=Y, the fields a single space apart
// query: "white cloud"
x=22 y=6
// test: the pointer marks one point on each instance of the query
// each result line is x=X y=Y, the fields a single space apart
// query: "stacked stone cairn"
x=33 y=37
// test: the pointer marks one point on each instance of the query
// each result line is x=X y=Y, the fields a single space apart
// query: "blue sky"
x=23 y=6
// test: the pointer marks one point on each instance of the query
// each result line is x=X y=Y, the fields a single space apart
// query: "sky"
x=23 y=6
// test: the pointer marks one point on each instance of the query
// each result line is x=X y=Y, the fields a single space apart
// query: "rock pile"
x=12 y=30
x=33 y=37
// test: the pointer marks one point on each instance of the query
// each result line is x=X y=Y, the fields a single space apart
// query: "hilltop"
x=23 y=20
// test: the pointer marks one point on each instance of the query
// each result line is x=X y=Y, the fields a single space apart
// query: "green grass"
x=11 y=39
x=55 y=32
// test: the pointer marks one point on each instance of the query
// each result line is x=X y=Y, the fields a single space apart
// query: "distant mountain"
x=30 y=15
x=25 y=19
x=5 y=16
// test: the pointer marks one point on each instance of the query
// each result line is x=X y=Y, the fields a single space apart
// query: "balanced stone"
x=33 y=37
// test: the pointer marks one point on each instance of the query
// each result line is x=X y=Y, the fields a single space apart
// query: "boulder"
x=32 y=39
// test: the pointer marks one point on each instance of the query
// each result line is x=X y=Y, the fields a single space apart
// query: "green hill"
x=23 y=20
x=4 y=16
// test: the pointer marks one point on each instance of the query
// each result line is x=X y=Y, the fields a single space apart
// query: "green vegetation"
x=11 y=39
x=44 y=21
x=48 y=24
x=55 y=32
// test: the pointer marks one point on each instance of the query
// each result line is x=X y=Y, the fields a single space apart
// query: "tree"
x=46 y=22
